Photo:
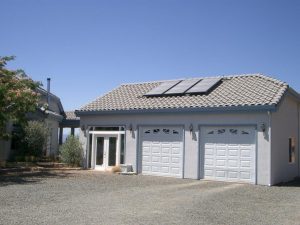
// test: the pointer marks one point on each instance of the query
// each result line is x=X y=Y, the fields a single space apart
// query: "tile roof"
x=71 y=116
x=241 y=90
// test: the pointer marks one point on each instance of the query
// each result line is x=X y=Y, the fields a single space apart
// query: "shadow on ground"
x=28 y=177
x=293 y=183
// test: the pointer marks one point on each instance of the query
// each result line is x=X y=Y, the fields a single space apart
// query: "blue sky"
x=89 y=47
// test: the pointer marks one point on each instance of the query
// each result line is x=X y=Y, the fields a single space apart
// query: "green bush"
x=71 y=151
x=35 y=137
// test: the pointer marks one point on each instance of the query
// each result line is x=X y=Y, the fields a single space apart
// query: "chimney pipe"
x=48 y=90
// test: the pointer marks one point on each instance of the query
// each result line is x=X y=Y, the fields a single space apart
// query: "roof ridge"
x=228 y=76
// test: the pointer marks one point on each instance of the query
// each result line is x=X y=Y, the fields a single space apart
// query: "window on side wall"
x=292 y=150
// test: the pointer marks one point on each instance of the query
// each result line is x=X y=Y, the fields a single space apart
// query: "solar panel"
x=162 y=88
x=204 y=85
x=182 y=86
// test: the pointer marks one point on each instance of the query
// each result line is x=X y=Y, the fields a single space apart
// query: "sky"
x=89 y=47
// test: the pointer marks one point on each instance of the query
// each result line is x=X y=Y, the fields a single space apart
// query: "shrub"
x=35 y=137
x=71 y=151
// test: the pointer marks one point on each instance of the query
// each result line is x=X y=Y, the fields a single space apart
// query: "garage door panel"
x=209 y=172
x=146 y=158
x=175 y=160
x=229 y=153
x=165 y=160
x=221 y=162
x=220 y=174
x=233 y=175
x=233 y=152
x=246 y=153
x=209 y=162
x=155 y=168
x=233 y=163
x=245 y=175
x=175 y=170
x=155 y=159
x=245 y=163
x=146 y=168
x=165 y=150
x=221 y=152
x=165 y=169
x=164 y=146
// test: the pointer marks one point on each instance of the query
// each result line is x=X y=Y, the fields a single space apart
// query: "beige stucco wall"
x=191 y=162
x=285 y=124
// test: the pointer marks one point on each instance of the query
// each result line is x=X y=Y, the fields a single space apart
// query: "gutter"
x=256 y=108
x=54 y=115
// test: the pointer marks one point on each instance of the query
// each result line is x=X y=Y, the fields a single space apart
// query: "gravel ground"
x=89 y=197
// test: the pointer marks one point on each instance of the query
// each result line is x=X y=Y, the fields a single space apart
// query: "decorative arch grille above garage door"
x=228 y=153
x=162 y=150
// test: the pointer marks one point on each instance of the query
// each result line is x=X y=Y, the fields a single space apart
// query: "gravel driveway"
x=89 y=197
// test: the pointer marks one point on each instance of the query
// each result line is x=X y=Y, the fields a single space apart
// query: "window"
x=233 y=131
x=291 y=150
x=175 y=132
x=221 y=131
x=121 y=128
x=156 y=131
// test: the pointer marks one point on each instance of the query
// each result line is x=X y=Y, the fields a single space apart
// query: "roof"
x=70 y=115
x=54 y=97
x=242 y=90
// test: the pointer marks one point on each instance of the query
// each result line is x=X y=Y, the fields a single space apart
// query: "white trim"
x=106 y=135
x=107 y=132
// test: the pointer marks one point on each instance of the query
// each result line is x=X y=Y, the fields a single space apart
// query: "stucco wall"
x=53 y=127
x=285 y=123
x=191 y=167
x=53 y=103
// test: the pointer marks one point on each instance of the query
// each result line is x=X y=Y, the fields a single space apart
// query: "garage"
x=162 y=150
x=228 y=153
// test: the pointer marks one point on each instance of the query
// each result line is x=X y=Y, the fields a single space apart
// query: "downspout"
x=270 y=141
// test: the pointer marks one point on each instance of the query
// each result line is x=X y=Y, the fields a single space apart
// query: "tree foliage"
x=71 y=151
x=35 y=137
x=17 y=95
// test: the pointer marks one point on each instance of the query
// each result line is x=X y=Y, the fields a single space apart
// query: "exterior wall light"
x=191 y=128
x=82 y=127
x=263 y=127
x=130 y=127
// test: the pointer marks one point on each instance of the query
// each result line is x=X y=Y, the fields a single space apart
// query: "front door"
x=105 y=151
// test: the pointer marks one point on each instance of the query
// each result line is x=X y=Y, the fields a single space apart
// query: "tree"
x=35 y=137
x=71 y=151
x=18 y=96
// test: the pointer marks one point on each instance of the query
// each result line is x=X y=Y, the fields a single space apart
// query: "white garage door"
x=162 y=150
x=229 y=153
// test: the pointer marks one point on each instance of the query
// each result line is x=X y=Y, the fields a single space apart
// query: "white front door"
x=105 y=151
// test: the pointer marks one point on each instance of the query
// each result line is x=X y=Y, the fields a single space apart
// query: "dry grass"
x=116 y=169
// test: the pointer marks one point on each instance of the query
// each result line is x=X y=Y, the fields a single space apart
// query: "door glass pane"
x=122 y=150
x=100 y=150
x=112 y=151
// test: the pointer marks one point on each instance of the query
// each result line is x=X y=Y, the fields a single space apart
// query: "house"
x=50 y=111
x=241 y=128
